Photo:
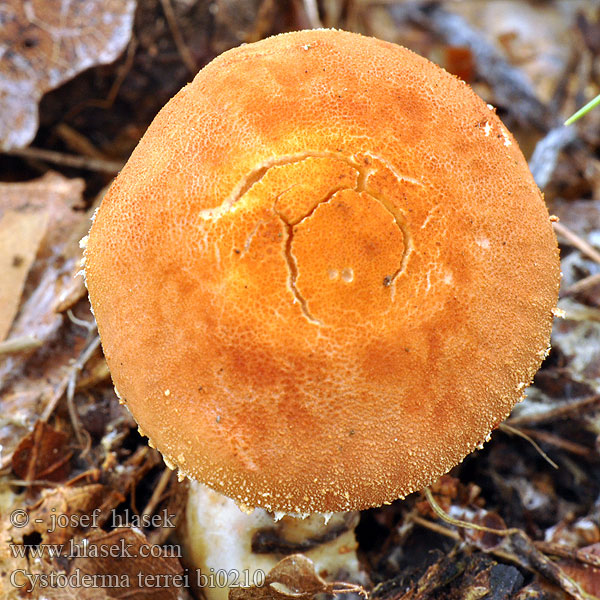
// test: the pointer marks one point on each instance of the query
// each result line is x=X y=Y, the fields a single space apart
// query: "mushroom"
x=324 y=275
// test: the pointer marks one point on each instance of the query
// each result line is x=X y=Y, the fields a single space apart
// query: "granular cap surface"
x=324 y=275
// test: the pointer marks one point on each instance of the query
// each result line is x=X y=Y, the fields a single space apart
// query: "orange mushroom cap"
x=324 y=275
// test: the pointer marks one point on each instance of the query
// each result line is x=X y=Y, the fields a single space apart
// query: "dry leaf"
x=42 y=454
x=44 y=43
x=587 y=576
x=54 y=200
x=294 y=578
x=63 y=500
x=28 y=382
x=21 y=231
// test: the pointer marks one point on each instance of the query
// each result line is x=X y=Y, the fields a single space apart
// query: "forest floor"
x=74 y=102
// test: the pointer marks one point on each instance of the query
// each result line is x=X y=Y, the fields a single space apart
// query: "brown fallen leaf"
x=47 y=43
x=294 y=578
x=118 y=564
x=31 y=380
x=51 y=203
x=587 y=576
x=42 y=454
x=73 y=503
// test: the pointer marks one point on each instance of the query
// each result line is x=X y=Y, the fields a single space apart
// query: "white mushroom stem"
x=222 y=541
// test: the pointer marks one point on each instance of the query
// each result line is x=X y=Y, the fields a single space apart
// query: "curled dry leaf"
x=44 y=43
x=294 y=578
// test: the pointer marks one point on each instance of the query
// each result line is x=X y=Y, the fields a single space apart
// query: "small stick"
x=312 y=13
x=157 y=493
x=526 y=436
x=567 y=552
x=68 y=160
x=520 y=543
x=582 y=285
x=79 y=364
x=20 y=344
x=576 y=241
x=184 y=51
x=555 y=440
x=559 y=412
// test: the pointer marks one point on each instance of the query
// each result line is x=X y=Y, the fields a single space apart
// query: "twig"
x=157 y=493
x=77 y=366
x=582 y=285
x=263 y=22
x=560 y=412
x=454 y=535
x=511 y=86
x=546 y=547
x=78 y=142
x=132 y=496
x=122 y=72
x=68 y=160
x=567 y=552
x=581 y=313
x=33 y=482
x=442 y=514
x=527 y=436
x=312 y=13
x=554 y=440
x=525 y=548
x=436 y=527
x=544 y=159
x=93 y=474
x=75 y=421
x=88 y=325
x=345 y=587
x=20 y=344
x=186 y=56
x=106 y=103
x=517 y=542
x=576 y=241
